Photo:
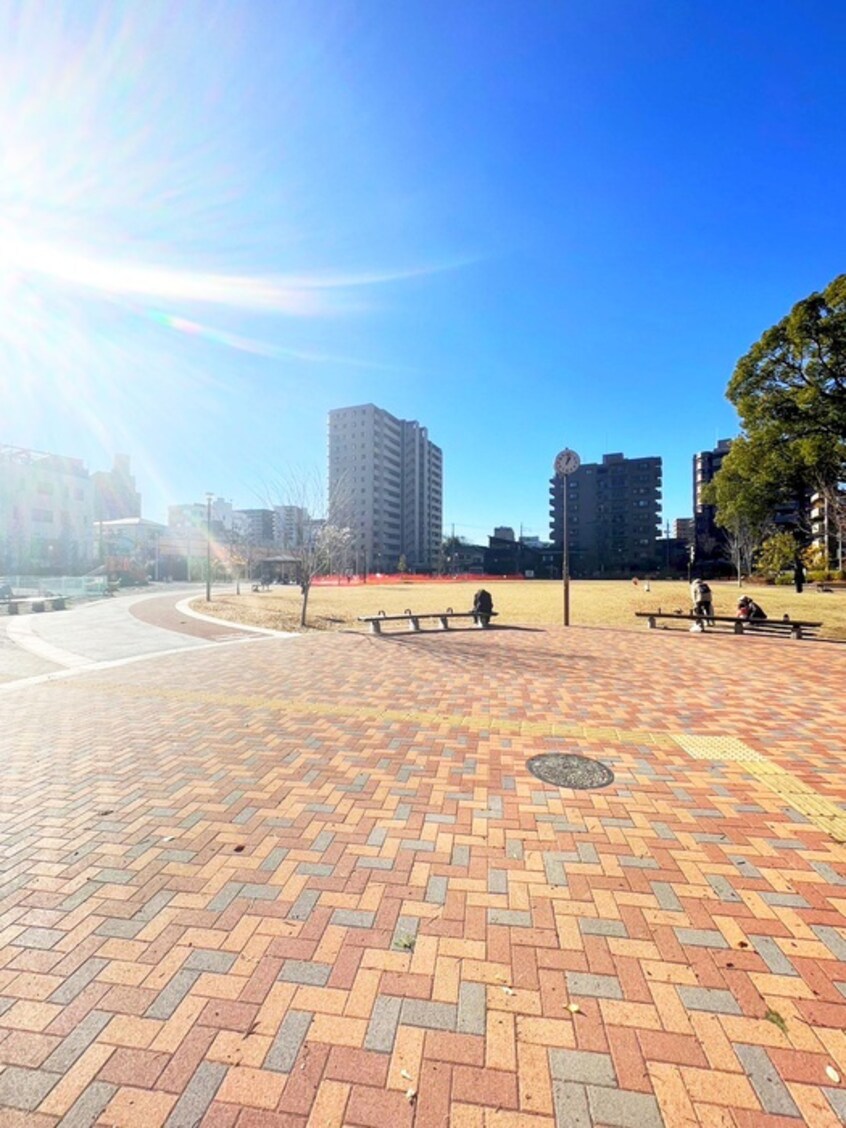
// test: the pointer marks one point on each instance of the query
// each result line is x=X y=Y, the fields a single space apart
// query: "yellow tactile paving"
x=822 y=812
x=324 y=861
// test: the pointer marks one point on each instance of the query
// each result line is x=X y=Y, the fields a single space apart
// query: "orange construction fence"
x=408 y=578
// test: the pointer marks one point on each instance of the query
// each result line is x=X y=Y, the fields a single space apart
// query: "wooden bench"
x=36 y=603
x=792 y=628
x=413 y=619
x=831 y=585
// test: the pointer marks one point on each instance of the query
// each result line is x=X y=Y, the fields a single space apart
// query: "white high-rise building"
x=386 y=486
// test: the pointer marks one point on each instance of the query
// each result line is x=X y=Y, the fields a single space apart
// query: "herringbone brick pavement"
x=311 y=882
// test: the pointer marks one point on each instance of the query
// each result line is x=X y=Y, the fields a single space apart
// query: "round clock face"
x=567 y=462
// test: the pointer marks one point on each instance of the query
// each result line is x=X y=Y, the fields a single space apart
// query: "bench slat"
x=413 y=620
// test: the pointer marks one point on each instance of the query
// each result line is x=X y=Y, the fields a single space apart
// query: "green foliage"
x=402 y=564
x=777 y=554
x=790 y=390
x=815 y=559
x=790 y=393
x=794 y=379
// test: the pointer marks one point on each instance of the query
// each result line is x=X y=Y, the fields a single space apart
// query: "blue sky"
x=526 y=225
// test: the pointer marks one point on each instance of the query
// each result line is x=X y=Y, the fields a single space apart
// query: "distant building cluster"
x=385 y=491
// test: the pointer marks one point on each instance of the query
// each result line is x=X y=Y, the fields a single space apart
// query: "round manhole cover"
x=567 y=770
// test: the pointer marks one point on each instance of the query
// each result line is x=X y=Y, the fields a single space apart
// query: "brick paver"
x=312 y=883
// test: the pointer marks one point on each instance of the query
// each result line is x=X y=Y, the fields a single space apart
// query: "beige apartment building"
x=46 y=512
x=386 y=486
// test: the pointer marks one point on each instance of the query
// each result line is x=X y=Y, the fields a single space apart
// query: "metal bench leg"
x=796 y=632
x=375 y=626
x=414 y=624
x=738 y=627
x=444 y=623
x=650 y=622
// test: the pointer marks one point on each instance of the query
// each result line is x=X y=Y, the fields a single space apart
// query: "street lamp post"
x=208 y=547
x=567 y=462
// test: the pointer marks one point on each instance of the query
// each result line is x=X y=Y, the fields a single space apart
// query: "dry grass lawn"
x=593 y=603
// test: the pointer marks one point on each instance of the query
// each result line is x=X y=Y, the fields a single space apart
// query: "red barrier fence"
x=407 y=578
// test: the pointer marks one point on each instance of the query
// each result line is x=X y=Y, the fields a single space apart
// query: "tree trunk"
x=306 y=589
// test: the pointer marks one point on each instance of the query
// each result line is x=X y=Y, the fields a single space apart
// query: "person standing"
x=703 y=607
x=798 y=574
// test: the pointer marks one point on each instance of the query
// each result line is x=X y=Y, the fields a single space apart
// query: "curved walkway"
x=125 y=629
x=313 y=883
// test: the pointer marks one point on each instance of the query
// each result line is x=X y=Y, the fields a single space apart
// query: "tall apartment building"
x=828 y=526
x=46 y=512
x=684 y=529
x=613 y=516
x=386 y=485
x=709 y=538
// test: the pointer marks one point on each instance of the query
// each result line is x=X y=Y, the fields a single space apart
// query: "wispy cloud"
x=295 y=295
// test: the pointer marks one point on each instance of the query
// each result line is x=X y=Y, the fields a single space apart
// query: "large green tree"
x=790 y=393
x=792 y=383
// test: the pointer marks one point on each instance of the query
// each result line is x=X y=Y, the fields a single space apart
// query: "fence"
x=77 y=587
x=409 y=578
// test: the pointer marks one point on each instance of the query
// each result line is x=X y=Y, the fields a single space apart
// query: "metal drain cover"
x=566 y=770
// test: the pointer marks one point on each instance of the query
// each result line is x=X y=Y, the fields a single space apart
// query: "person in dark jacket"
x=798 y=574
x=483 y=606
x=748 y=609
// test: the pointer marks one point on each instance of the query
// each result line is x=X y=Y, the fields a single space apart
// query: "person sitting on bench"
x=483 y=606
x=748 y=609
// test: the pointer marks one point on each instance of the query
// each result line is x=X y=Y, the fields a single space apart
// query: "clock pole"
x=567 y=462
x=565 y=559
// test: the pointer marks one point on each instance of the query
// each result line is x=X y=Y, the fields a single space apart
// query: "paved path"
x=311 y=882
x=131 y=626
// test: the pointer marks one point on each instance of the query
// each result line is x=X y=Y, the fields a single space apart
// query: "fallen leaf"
x=404 y=1073
x=574 y=1008
x=410 y=1095
x=832 y=1074
x=777 y=1020
x=509 y=990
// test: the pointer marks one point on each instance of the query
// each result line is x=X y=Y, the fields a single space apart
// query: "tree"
x=450 y=546
x=792 y=383
x=324 y=541
x=790 y=393
x=402 y=565
x=777 y=554
x=240 y=554
x=745 y=491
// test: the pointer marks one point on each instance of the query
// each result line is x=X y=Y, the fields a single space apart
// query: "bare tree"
x=742 y=540
x=324 y=542
x=240 y=555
